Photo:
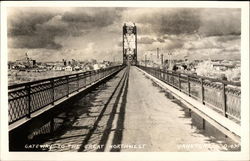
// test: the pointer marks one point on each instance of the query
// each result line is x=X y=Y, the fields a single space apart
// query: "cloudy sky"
x=50 y=34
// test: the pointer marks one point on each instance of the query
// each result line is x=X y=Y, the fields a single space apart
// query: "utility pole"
x=145 y=60
x=162 y=60
x=169 y=59
x=157 y=52
x=151 y=60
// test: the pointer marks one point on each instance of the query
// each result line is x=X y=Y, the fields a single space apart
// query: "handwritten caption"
x=86 y=147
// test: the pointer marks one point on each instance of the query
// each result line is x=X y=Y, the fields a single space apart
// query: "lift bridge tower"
x=129 y=44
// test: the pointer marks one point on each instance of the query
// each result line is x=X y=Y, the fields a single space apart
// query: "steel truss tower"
x=129 y=44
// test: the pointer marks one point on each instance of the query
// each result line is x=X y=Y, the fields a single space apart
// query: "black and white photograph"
x=129 y=77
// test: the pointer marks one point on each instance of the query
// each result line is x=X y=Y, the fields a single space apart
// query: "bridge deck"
x=135 y=112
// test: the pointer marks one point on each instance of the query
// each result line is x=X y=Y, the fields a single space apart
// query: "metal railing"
x=26 y=98
x=222 y=96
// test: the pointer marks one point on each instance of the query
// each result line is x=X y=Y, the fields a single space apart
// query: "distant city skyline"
x=84 y=33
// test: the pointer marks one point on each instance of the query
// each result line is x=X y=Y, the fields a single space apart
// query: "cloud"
x=219 y=22
x=179 y=22
x=214 y=42
x=33 y=28
x=213 y=47
x=160 y=40
x=171 y=21
x=228 y=38
x=187 y=29
x=32 y=42
x=146 y=40
x=176 y=21
x=92 y=17
x=23 y=21
x=204 y=43
x=40 y=27
x=173 y=44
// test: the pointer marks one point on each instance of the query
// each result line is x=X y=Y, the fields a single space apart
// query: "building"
x=27 y=62
x=58 y=68
x=96 y=66
x=77 y=68
x=223 y=67
x=68 y=68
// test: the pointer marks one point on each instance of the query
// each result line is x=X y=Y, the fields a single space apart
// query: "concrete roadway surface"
x=130 y=113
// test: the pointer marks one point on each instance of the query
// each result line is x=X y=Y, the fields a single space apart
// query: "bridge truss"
x=129 y=44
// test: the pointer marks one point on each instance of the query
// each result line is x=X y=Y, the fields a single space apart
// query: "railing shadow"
x=118 y=136
x=201 y=126
x=109 y=123
x=52 y=126
x=63 y=122
x=118 y=132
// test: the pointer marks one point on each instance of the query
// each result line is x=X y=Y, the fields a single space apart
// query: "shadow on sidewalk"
x=118 y=132
x=108 y=128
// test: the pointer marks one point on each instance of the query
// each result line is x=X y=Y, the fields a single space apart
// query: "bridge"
x=128 y=107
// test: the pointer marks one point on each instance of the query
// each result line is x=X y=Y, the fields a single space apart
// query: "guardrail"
x=222 y=96
x=27 y=98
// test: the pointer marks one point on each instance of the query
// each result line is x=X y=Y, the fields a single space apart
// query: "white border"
x=243 y=155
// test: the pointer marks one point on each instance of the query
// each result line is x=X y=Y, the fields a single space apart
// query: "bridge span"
x=134 y=110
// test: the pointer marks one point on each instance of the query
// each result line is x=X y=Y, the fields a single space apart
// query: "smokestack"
x=157 y=51
x=162 y=59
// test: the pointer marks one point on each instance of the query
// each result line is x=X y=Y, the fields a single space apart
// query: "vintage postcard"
x=136 y=78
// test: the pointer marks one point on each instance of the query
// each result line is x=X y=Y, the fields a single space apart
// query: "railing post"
x=172 y=76
x=224 y=100
x=67 y=78
x=179 y=79
x=94 y=75
x=90 y=77
x=167 y=77
x=103 y=73
x=28 y=101
x=52 y=91
x=188 y=85
x=202 y=91
x=85 y=80
x=164 y=76
x=78 y=82
x=99 y=74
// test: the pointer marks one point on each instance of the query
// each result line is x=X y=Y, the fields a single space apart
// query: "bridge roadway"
x=131 y=113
